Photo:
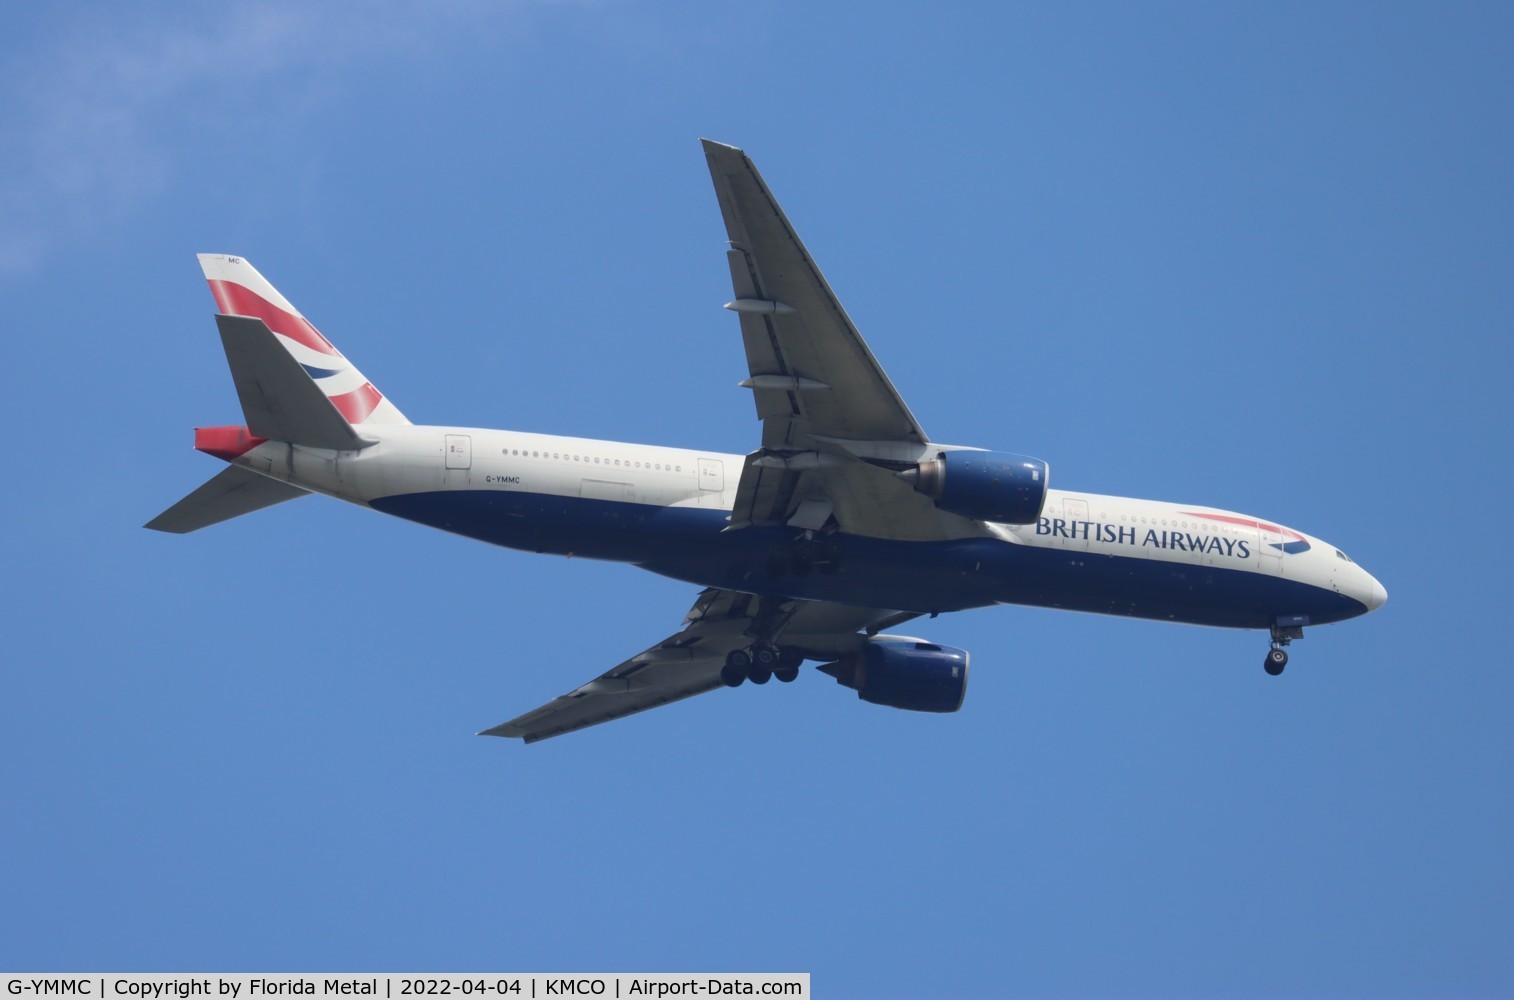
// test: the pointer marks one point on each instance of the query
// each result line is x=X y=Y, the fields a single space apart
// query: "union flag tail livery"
x=240 y=290
x=847 y=522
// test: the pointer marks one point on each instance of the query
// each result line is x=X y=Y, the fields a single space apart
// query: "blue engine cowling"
x=905 y=673
x=984 y=485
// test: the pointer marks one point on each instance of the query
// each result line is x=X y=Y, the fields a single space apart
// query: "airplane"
x=845 y=522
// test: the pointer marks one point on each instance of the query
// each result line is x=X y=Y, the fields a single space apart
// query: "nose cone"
x=1377 y=597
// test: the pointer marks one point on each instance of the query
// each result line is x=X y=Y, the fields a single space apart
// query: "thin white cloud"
x=87 y=118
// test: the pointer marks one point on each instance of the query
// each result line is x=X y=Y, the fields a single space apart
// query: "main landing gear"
x=1277 y=656
x=760 y=664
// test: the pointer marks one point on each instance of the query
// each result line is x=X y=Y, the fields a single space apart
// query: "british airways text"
x=1182 y=541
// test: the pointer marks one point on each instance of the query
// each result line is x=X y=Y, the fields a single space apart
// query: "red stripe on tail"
x=238 y=300
x=357 y=404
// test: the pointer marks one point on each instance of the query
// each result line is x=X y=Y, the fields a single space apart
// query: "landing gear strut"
x=1277 y=656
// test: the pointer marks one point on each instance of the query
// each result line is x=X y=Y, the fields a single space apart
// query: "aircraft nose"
x=1378 y=596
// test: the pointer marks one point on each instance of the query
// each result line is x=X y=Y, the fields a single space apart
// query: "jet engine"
x=984 y=485
x=904 y=673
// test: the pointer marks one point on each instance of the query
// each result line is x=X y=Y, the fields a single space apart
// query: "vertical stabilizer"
x=240 y=290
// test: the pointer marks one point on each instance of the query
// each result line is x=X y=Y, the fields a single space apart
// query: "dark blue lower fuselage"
x=689 y=543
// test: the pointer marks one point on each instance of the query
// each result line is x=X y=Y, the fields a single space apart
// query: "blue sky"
x=1251 y=256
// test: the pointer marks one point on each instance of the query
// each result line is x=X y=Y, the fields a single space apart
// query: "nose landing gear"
x=1277 y=656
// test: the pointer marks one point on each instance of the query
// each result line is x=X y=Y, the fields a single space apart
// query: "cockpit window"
x=1341 y=555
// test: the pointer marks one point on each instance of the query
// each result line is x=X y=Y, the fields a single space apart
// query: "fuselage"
x=668 y=510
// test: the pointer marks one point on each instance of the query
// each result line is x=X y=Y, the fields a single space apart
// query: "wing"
x=688 y=662
x=834 y=427
x=811 y=371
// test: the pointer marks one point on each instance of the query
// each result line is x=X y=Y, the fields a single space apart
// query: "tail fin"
x=240 y=290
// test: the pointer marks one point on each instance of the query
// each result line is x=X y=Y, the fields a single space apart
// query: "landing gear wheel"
x=737 y=662
x=764 y=659
x=1277 y=659
x=788 y=666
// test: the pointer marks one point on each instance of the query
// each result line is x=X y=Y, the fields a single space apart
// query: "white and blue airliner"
x=845 y=522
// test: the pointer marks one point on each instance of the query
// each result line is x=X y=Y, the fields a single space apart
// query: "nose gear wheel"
x=1277 y=656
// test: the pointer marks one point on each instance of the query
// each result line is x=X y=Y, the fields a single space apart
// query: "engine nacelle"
x=905 y=673
x=984 y=485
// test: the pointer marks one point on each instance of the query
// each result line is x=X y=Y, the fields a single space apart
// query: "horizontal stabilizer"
x=279 y=399
x=234 y=491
